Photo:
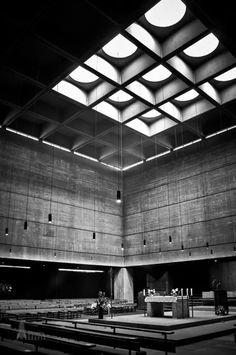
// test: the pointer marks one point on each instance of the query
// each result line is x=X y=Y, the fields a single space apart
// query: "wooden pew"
x=43 y=341
x=97 y=337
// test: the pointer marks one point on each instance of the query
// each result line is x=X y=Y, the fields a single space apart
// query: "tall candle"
x=181 y=292
x=191 y=291
x=187 y=291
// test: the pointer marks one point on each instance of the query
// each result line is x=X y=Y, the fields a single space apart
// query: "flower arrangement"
x=174 y=292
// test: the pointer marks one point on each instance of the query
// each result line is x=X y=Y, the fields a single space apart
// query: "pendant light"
x=51 y=189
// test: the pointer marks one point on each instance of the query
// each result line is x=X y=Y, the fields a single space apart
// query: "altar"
x=155 y=306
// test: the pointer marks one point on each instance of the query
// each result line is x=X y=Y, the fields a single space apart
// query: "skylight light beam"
x=139 y=126
x=102 y=66
x=101 y=91
x=161 y=125
x=196 y=108
x=132 y=70
x=171 y=110
x=141 y=91
x=228 y=94
x=145 y=39
x=169 y=90
x=211 y=91
x=182 y=69
x=177 y=41
x=71 y=91
x=132 y=110
x=210 y=69
x=108 y=110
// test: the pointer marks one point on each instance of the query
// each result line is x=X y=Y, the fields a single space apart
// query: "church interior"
x=118 y=177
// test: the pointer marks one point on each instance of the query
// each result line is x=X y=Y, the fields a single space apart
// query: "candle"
x=186 y=291
x=191 y=291
x=181 y=292
x=144 y=291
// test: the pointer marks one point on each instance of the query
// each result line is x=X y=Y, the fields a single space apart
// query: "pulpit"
x=155 y=306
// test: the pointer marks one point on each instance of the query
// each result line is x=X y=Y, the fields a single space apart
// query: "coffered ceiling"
x=64 y=83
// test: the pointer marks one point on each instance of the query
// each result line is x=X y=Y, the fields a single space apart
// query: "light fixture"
x=82 y=75
x=211 y=251
x=15 y=266
x=6 y=232
x=157 y=74
x=159 y=250
x=55 y=255
x=119 y=47
x=182 y=247
x=203 y=47
x=49 y=218
x=144 y=242
x=170 y=239
x=122 y=246
x=81 y=270
x=207 y=245
x=166 y=13
x=25 y=225
x=51 y=187
x=94 y=235
x=189 y=95
x=190 y=253
x=118 y=196
x=226 y=76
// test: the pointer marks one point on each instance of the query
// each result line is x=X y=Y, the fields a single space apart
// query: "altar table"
x=155 y=306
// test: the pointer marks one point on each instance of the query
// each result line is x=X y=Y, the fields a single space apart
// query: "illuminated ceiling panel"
x=81 y=85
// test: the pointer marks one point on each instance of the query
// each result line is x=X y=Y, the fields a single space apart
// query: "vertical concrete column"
x=123 y=284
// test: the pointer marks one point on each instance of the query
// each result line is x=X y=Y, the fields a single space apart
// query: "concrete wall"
x=188 y=194
x=82 y=199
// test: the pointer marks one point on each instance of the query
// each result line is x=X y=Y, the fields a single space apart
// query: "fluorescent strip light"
x=187 y=144
x=57 y=146
x=81 y=270
x=133 y=165
x=22 y=134
x=85 y=156
x=219 y=132
x=16 y=267
x=111 y=166
x=158 y=155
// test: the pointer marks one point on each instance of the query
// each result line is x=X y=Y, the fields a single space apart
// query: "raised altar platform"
x=155 y=306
